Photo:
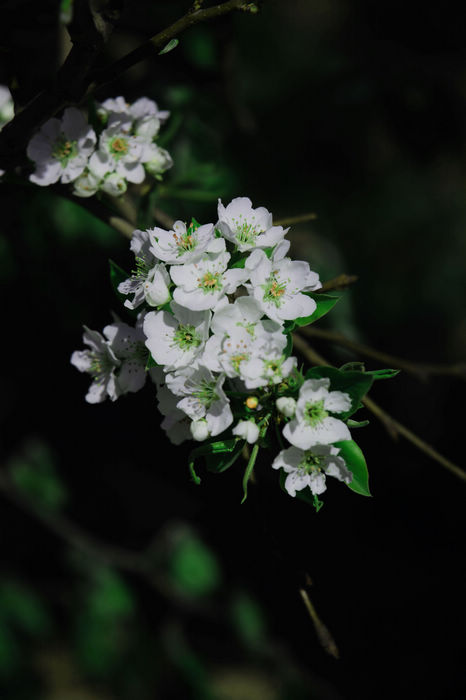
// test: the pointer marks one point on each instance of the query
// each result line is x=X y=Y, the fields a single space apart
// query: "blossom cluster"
x=213 y=304
x=118 y=148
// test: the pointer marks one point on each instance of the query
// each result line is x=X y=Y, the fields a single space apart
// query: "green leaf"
x=220 y=462
x=356 y=384
x=356 y=463
x=216 y=447
x=325 y=302
x=172 y=44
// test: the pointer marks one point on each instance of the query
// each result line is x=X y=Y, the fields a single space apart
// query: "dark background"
x=354 y=111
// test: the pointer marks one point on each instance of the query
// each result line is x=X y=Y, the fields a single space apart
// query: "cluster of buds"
x=117 y=148
x=214 y=306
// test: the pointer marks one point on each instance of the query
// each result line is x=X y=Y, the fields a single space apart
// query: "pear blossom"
x=286 y=405
x=86 y=184
x=248 y=228
x=150 y=280
x=268 y=366
x=202 y=284
x=158 y=161
x=199 y=429
x=203 y=397
x=61 y=148
x=308 y=468
x=184 y=244
x=312 y=424
x=176 y=339
x=248 y=430
x=115 y=360
x=277 y=284
x=119 y=152
x=114 y=184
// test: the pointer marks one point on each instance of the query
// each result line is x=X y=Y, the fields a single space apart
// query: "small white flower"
x=309 y=468
x=149 y=281
x=286 y=405
x=248 y=430
x=114 y=185
x=119 y=152
x=267 y=365
x=312 y=424
x=100 y=362
x=183 y=244
x=199 y=430
x=144 y=107
x=86 y=185
x=277 y=284
x=203 y=397
x=61 y=148
x=201 y=285
x=248 y=228
x=159 y=160
x=176 y=339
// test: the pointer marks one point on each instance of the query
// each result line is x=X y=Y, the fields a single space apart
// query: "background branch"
x=421 y=370
x=394 y=427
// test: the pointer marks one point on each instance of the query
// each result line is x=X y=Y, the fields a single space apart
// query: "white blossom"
x=159 y=160
x=248 y=228
x=203 y=397
x=176 y=339
x=312 y=424
x=277 y=284
x=201 y=285
x=86 y=184
x=114 y=184
x=61 y=148
x=176 y=423
x=308 y=468
x=150 y=280
x=286 y=405
x=183 y=244
x=115 y=360
x=248 y=430
x=199 y=429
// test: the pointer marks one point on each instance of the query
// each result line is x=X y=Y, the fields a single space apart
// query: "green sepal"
x=356 y=384
x=238 y=260
x=325 y=303
x=354 y=458
x=383 y=373
x=151 y=362
x=357 y=423
x=172 y=44
x=289 y=346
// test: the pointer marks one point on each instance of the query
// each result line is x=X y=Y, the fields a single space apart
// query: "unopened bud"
x=199 y=430
x=247 y=430
x=286 y=405
x=252 y=402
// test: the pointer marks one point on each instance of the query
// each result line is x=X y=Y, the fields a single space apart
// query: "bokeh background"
x=354 y=111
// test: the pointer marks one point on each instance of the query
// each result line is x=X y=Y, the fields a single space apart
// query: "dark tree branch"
x=77 y=78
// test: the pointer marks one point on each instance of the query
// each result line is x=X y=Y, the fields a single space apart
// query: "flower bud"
x=199 y=430
x=156 y=288
x=286 y=405
x=252 y=402
x=114 y=185
x=247 y=430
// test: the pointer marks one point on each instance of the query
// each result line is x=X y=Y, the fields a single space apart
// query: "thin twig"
x=300 y=219
x=78 y=79
x=339 y=282
x=323 y=634
x=420 y=369
x=393 y=426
